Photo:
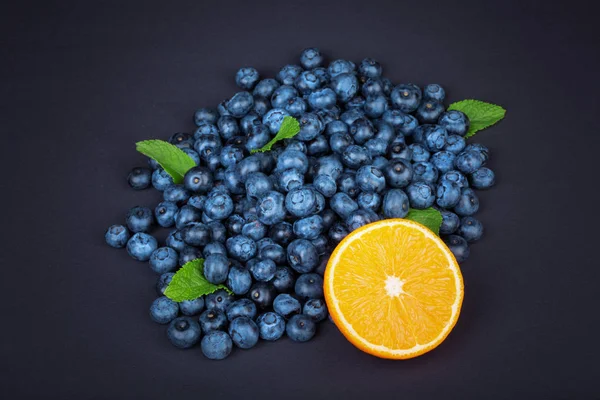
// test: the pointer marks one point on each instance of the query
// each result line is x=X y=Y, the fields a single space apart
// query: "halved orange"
x=394 y=289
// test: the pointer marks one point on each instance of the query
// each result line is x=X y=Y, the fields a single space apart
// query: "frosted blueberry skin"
x=184 y=332
x=301 y=328
x=243 y=332
x=141 y=245
x=140 y=178
x=271 y=326
x=286 y=305
x=116 y=236
x=216 y=345
x=458 y=246
x=163 y=310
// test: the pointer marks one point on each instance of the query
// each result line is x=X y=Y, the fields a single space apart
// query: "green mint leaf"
x=173 y=160
x=289 y=128
x=480 y=113
x=189 y=282
x=430 y=217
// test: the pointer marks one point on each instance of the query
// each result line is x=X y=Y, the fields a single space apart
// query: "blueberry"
x=458 y=246
x=196 y=234
x=193 y=155
x=163 y=310
x=139 y=219
x=273 y=252
x=311 y=58
x=360 y=218
x=325 y=185
x=345 y=86
x=239 y=280
x=310 y=127
x=228 y=126
x=189 y=253
x=302 y=255
x=246 y=123
x=141 y=245
x=286 y=305
x=233 y=181
x=271 y=326
x=192 y=307
x=282 y=232
x=380 y=162
x=273 y=119
x=249 y=165
x=455 y=122
x=456 y=177
x=165 y=213
x=425 y=172
x=183 y=332
x=434 y=137
x=343 y=205
x=338 y=232
x=257 y=137
x=398 y=173
x=321 y=243
x=216 y=268
x=434 y=92
x=216 y=345
x=307 y=81
x=315 y=309
x=176 y=194
x=369 y=68
x=212 y=320
x=370 y=179
x=208 y=147
x=429 y=111
x=447 y=194
x=270 y=208
x=240 y=104
x=255 y=230
x=483 y=178
x=241 y=248
x=468 y=161
x=262 y=293
x=265 y=88
x=419 y=152
x=292 y=159
x=369 y=201
x=308 y=227
x=116 y=236
x=161 y=179
x=376 y=105
x=205 y=115
x=406 y=97
x=175 y=240
x=420 y=194
x=362 y=130
x=246 y=78
x=395 y=204
x=231 y=155
x=443 y=161
x=296 y=107
x=243 y=332
x=181 y=138
x=288 y=74
x=218 y=232
x=471 y=229
x=140 y=178
x=330 y=165
x=241 y=308
x=377 y=147
x=336 y=126
x=218 y=206
x=309 y=286
x=301 y=201
x=163 y=281
x=300 y=328
x=283 y=280
x=163 y=260
x=409 y=125
x=198 y=180
x=218 y=300
x=322 y=99
x=455 y=144
x=187 y=215
x=468 y=204
x=450 y=222
x=399 y=149
x=340 y=67
x=205 y=131
x=283 y=95
x=322 y=74
x=263 y=270
x=290 y=179
x=319 y=146
x=355 y=156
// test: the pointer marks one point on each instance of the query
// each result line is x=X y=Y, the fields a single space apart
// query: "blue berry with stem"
x=262 y=294
x=369 y=68
x=398 y=173
x=429 y=111
x=406 y=97
x=139 y=219
x=165 y=213
x=284 y=279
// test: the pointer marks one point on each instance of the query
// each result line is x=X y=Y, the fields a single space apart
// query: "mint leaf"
x=289 y=128
x=189 y=282
x=173 y=160
x=480 y=113
x=430 y=217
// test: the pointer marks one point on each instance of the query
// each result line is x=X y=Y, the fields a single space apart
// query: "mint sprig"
x=289 y=128
x=429 y=217
x=189 y=282
x=173 y=160
x=481 y=114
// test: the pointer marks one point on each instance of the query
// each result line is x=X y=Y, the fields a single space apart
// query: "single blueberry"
x=302 y=255
x=309 y=286
x=468 y=204
x=163 y=260
x=455 y=122
x=458 y=246
x=406 y=97
x=421 y=194
x=286 y=305
x=239 y=280
x=315 y=309
x=219 y=300
x=216 y=345
x=246 y=77
x=450 y=222
x=300 y=328
x=163 y=310
x=140 y=178
x=139 y=219
x=116 y=236
x=471 y=229
x=183 y=332
x=141 y=245
x=192 y=307
x=263 y=270
x=483 y=178
x=262 y=293
x=241 y=308
x=395 y=204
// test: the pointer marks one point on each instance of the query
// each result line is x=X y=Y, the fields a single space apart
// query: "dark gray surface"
x=80 y=84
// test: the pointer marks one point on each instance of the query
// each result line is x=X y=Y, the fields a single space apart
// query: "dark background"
x=82 y=82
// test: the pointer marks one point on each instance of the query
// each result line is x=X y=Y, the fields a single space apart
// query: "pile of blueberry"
x=266 y=223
